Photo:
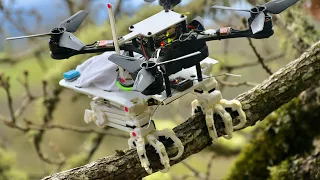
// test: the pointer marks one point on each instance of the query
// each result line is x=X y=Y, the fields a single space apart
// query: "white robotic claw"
x=136 y=121
x=210 y=101
x=141 y=150
x=169 y=133
x=161 y=150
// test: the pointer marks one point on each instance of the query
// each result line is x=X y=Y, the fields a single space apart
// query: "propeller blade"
x=277 y=6
x=143 y=81
x=68 y=40
x=72 y=23
x=30 y=36
x=229 y=8
x=180 y=58
x=130 y=64
x=258 y=23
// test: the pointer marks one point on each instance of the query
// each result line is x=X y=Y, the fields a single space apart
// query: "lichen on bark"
x=298 y=167
x=287 y=132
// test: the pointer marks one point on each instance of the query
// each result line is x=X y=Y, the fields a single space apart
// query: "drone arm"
x=224 y=33
x=58 y=52
x=228 y=33
x=90 y=49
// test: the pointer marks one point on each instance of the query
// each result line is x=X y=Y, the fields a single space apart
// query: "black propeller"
x=64 y=32
x=146 y=69
x=259 y=12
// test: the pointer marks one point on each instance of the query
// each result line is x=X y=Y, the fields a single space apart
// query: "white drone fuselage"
x=132 y=111
x=126 y=99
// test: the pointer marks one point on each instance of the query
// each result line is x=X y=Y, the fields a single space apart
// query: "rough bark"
x=298 y=167
x=287 y=132
x=258 y=102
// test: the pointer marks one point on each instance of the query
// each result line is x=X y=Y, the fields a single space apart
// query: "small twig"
x=260 y=59
x=196 y=173
x=24 y=104
x=208 y=174
x=236 y=84
x=72 y=128
x=49 y=102
x=250 y=64
x=4 y=83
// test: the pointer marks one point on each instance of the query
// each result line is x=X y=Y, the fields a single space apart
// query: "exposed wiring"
x=142 y=48
x=187 y=38
x=156 y=110
x=158 y=53
x=224 y=74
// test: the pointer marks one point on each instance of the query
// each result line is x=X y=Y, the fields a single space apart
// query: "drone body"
x=172 y=51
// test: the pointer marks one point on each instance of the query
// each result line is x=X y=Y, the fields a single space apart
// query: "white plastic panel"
x=157 y=23
x=117 y=97
x=124 y=98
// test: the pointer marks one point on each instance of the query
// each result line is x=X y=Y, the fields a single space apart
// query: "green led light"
x=123 y=88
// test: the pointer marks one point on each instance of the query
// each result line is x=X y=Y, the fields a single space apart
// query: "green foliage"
x=305 y=33
x=298 y=167
x=284 y=133
x=281 y=172
x=7 y=169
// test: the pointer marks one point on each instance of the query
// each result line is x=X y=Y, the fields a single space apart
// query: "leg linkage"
x=210 y=101
x=136 y=121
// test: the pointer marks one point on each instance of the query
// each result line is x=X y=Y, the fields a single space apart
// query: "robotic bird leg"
x=136 y=121
x=210 y=102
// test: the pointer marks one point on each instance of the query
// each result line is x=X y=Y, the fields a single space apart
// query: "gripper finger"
x=235 y=105
x=131 y=143
x=169 y=133
x=194 y=107
x=210 y=124
x=226 y=117
x=161 y=150
x=141 y=150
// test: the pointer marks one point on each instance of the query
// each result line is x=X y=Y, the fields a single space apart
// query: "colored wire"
x=142 y=48
x=156 y=110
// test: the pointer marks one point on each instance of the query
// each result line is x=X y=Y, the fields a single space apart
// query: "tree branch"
x=258 y=102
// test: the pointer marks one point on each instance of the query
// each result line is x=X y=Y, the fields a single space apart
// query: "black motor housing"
x=178 y=49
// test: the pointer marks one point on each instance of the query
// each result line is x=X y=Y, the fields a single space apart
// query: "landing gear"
x=136 y=121
x=210 y=102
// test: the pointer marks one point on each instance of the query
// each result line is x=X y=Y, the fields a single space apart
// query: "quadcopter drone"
x=174 y=63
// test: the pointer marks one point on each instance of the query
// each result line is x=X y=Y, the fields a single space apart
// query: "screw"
x=182 y=16
x=131 y=27
x=149 y=33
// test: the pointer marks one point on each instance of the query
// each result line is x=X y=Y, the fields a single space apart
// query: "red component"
x=103 y=43
x=191 y=27
x=122 y=80
x=109 y=6
x=162 y=43
x=126 y=109
x=134 y=134
x=175 y=81
x=224 y=30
